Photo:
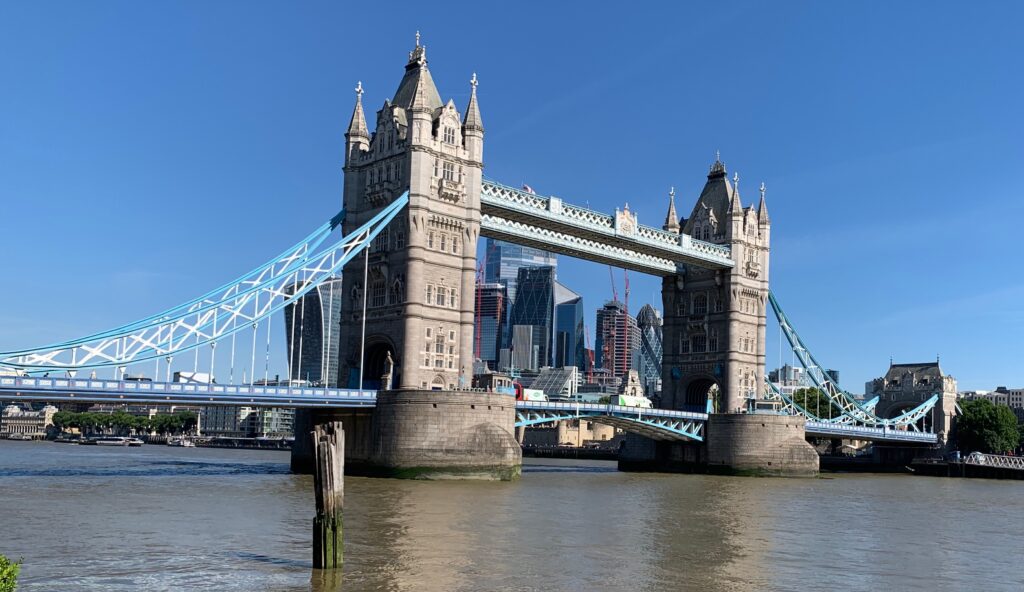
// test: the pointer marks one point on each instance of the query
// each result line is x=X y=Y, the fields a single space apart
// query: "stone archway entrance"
x=698 y=391
x=376 y=364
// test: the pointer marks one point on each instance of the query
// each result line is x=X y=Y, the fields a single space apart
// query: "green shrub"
x=8 y=574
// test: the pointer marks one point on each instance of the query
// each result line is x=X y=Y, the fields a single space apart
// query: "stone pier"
x=735 y=444
x=420 y=434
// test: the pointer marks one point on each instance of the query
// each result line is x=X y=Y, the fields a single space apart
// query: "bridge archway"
x=896 y=408
x=375 y=363
x=698 y=390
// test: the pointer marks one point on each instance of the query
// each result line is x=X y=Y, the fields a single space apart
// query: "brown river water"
x=160 y=518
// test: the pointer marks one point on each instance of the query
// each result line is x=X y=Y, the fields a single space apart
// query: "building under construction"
x=618 y=339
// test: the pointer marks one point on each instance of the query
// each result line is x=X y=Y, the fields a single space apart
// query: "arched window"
x=700 y=304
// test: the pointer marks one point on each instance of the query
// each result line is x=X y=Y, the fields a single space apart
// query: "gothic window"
x=400 y=240
x=449 y=171
x=455 y=244
x=439 y=362
x=713 y=341
x=451 y=335
x=426 y=360
x=718 y=305
x=684 y=344
x=430 y=300
x=429 y=332
x=700 y=304
x=451 y=350
x=449 y=135
x=377 y=293
x=381 y=242
x=452 y=299
x=435 y=168
x=439 y=344
x=441 y=296
x=444 y=242
x=430 y=239
x=700 y=344
x=681 y=308
x=451 y=363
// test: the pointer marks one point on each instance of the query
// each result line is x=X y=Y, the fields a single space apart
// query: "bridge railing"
x=995 y=460
x=868 y=433
x=88 y=385
x=610 y=409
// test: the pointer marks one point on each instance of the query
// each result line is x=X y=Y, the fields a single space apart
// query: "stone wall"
x=358 y=431
x=771 y=445
x=445 y=435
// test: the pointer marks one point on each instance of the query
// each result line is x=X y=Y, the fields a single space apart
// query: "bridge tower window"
x=449 y=171
x=430 y=239
x=684 y=344
x=442 y=296
x=444 y=242
x=700 y=344
x=700 y=304
x=430 y=300
x=455 y=245
x=439 y=344
x=449 y=135
x=377 y=293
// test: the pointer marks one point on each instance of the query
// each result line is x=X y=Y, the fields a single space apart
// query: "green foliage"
x=120 y=422
x=986 y=427
x=604 y=400
x=8 y=574
x=817 y=402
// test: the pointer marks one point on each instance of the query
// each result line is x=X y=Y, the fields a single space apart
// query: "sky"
x=152 y=151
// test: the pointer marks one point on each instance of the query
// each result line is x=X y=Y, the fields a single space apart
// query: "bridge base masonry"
x=415 y=434
x=757 y=445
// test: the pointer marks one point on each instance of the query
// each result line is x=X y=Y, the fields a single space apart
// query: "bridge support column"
x=445 y=435
x=329 y=489
x=761 y=445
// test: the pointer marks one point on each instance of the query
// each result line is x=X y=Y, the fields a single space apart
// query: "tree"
x=986 y=427
x=814 y=400
x=8 y=574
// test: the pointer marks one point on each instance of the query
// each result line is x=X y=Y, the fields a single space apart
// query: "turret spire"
x=671 y=219
x=357 y=127
x=735 y=205
x=762 y=209
x=472 y=120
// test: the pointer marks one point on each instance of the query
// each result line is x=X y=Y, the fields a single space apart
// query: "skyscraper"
x=312 y=328
x=505 y=259
x=535 y=306
x=617 y=338
x=649 y=352
x=492 y=310
x=569 y=333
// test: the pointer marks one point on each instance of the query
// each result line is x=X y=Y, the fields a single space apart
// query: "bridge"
x=657 y=424
x=392 y=275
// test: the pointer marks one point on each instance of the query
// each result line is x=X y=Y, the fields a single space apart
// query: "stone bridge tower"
x=422 y=267
x=714 y=328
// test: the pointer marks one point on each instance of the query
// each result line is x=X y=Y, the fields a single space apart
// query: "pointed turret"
x=357 y=127
x=417 y=89
x=735 y=205
x=762 y=209
x=472 y=120
x=671 y=219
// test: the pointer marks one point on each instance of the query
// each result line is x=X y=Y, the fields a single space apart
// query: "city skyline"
x=851 y=192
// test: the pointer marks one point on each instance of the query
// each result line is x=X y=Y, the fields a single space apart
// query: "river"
x=161 y=518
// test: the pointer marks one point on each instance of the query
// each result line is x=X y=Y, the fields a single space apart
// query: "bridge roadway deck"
x=652 y=422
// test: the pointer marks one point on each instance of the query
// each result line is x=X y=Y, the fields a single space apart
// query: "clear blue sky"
x=150 y=151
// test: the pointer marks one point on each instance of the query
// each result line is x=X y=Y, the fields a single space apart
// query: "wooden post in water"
x=329 y=485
